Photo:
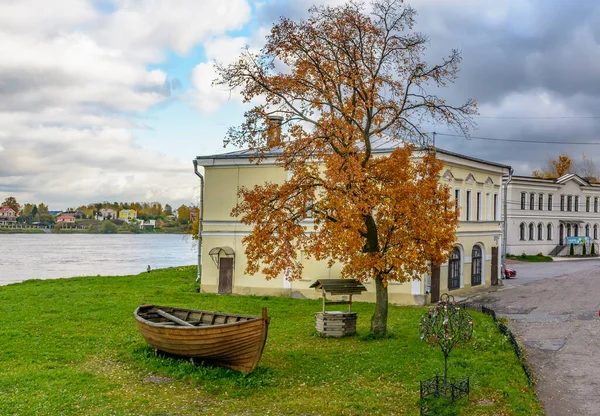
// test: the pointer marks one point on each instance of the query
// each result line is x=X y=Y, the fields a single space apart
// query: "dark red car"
x=509 y=273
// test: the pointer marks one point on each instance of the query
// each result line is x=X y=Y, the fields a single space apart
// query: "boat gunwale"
x=145 y=321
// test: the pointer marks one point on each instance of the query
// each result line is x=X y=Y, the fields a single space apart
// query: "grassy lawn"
x=537 y=258
x=71 y=347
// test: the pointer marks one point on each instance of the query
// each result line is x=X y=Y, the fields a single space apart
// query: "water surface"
x=45 y=256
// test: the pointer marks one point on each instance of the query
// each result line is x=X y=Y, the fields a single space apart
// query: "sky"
x=111 y=100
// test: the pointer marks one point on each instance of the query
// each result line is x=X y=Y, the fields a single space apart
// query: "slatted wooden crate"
x=336 y=323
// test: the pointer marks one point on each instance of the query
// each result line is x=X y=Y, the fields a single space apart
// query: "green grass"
x=71 y=347
x=537 y=258
x=21 y=231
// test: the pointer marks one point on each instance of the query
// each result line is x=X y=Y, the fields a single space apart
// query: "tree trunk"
x=379 y=319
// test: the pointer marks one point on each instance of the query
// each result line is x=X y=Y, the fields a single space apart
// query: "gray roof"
x=378 y=145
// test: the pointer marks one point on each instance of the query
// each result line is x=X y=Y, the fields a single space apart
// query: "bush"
x=109 y=228
x=593 y=251
x=572 y=250
x=540 y=254
x=584 y=250
x=117 y=222
x=523 y=255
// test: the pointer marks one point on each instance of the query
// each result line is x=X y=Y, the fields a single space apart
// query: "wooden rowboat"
x=223 y=339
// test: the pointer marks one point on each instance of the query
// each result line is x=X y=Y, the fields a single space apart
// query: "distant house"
x=127 y=215
x=148 y=224
x=65 y=221
x=106 y=214
x=7 y=215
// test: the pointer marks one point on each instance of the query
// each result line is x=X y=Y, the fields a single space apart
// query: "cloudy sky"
x=111 y=99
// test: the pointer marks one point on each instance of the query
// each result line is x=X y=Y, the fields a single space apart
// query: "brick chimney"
x=274 y=130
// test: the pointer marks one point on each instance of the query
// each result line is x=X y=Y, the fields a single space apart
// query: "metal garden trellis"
x=446 y=325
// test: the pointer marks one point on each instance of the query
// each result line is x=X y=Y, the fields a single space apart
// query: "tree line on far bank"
x=165 y=216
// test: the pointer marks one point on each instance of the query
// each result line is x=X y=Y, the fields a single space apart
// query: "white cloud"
x=74 y=81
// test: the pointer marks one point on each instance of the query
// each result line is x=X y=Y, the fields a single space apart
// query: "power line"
x=518 y=140
x=540 y=117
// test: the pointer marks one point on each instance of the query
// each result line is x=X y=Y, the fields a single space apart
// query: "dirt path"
x=557 y=320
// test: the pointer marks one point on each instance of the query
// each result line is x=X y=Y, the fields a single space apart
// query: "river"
x=47 y=256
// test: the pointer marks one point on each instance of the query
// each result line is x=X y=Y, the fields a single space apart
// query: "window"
x=576 y=230
x=570 y=203
x=468 y=205
x=595 y=231
x=596 y=204
x=496 y=207
x=522 y=200
x=488 y=207
x=532 y=201
x=562 y=202
x=588 y=203
x=550 y=197
x=531 y=231
x=476 y=260
x=522 y=231
x=457 y=199
x=587 y=230
x=478 y=213
x=576 y=203
x=549 y=232
x=541 y=202
x=540 y=231
x=568 y=230
x=454 y=269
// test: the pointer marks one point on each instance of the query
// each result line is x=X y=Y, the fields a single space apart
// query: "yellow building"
x=474 y=262
x=127 y=215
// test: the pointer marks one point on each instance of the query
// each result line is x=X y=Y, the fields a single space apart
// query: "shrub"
x=540 y=254
x=109 y=228
x=584 y=250
x=523 y=255
x=593 y=251
x=572 y=250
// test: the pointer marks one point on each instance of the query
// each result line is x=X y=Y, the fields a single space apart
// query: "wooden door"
x=225 y=274
x=435 y=284
x=494 y=265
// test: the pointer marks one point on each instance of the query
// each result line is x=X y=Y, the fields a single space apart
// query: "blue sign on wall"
x=579 y=240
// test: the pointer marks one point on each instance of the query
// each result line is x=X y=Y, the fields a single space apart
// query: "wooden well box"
x=337 y=323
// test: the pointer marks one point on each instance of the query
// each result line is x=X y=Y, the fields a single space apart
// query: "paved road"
x=553 y=309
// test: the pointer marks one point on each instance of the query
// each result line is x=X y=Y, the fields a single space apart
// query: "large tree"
x=341 y=79
x=11 y=202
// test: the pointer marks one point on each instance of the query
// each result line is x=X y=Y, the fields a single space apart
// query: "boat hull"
x=234 y=341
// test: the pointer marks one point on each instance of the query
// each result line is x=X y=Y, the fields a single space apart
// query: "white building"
x=544 y=213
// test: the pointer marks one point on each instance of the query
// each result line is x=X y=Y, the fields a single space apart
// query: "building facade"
x=127 y=215
x=8 y=216
x=543 y=214
x=474 y=262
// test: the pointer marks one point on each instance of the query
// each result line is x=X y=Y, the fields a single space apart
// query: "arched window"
x=596 y=204
x=549 y=232
x=568 y=230
x=569 y=203
x=561 y=236
x=588 y=203
x=454 y=269
x=522 y=231
x=550 y=198
x=531 y=227
x=532 y=201
x=540 y=231
x=562 y=202
x=576 y=203
x=541 y=202
x=476 y=260
x=595 y=231
x=576 y=230
x=523 y=197
x=587 y=230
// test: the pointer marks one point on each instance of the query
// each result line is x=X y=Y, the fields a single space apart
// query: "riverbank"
x=89 y=231
x=90 y=359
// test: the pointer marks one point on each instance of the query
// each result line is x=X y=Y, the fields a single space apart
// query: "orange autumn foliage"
x=351 y=78
x=388 y=220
